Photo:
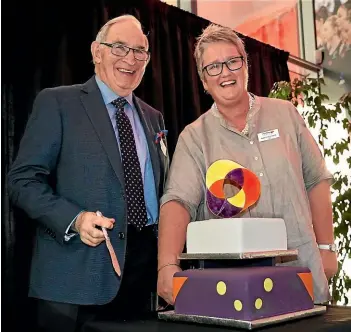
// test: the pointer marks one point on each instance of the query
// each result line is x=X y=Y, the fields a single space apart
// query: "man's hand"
x=165 y=282
x=330 y=263
x=85 y=226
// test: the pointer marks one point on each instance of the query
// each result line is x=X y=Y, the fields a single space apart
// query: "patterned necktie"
x=136 y=209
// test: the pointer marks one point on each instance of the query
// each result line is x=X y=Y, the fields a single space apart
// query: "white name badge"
x=267 y=135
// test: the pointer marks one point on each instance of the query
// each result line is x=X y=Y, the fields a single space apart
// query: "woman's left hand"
x=330 y=262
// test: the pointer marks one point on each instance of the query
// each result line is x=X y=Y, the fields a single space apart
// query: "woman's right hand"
x=165 y=282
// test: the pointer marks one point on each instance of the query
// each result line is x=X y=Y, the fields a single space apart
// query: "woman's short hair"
x=212 y=34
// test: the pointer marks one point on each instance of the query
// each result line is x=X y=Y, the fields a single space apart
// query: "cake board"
x=247 y=325
x=262 y=258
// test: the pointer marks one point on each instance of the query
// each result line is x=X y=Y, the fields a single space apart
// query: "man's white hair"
x=102 y=34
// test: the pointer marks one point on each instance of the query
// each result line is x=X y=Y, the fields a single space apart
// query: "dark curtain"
x=48 y=44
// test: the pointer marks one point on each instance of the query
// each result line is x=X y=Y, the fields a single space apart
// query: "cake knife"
x=110 y=248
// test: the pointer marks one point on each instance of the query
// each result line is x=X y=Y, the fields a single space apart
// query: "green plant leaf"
x=307 y=92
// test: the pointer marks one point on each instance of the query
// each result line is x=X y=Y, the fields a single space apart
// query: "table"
x=336 y=319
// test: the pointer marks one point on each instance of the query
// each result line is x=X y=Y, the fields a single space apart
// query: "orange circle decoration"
x=227 y=171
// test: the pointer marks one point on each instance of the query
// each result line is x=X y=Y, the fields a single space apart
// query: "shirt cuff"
x=326 y=176
x=69 y=231
x=170 y=197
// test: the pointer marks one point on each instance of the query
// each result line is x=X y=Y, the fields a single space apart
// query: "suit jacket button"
x=121 y=235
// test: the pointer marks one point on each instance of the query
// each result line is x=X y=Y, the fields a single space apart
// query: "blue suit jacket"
x=69 y=161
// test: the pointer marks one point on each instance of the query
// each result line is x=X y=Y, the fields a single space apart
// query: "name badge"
x=163 y=147
x=267 y=135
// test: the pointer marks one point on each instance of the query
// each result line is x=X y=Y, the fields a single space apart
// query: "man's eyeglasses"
x=123 y=50
x=214 y=69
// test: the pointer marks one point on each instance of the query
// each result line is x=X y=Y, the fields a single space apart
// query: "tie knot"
x=119 y=103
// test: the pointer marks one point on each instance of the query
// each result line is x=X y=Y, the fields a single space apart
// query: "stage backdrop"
x=47 y=44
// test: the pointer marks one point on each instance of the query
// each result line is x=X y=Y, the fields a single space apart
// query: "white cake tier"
x=236 y=235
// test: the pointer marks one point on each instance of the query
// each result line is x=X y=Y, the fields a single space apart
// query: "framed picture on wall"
x=333 y=37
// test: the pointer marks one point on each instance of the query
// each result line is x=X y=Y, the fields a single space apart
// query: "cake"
x=245 y=293
x=236 y=235
x=248 y=293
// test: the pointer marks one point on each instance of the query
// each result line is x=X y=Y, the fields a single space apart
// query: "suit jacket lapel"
x=150 y=137
x=97 y=112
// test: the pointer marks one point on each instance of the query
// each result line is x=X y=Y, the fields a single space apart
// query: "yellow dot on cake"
x=221 y=287
x=268 y=284
x=258 y=303
x=238 y=305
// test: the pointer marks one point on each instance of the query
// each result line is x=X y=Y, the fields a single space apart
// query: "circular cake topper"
x=226 y=171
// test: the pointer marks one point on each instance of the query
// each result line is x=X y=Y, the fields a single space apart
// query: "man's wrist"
x=74 y=228
x=75 y=223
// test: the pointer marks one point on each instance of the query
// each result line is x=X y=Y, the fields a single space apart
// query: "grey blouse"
x=287 y=166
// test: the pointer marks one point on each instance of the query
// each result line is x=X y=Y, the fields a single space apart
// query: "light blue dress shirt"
x=151 y=200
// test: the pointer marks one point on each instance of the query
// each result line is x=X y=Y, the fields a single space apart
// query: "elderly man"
x=89 y=162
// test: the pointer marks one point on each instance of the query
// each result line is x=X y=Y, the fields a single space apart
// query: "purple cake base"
x=242 y=293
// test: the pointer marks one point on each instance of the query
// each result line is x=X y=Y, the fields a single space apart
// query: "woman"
x=294 y=180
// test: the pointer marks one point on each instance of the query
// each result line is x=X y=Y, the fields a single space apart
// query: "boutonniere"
x=161 y=134
x=159 y=139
